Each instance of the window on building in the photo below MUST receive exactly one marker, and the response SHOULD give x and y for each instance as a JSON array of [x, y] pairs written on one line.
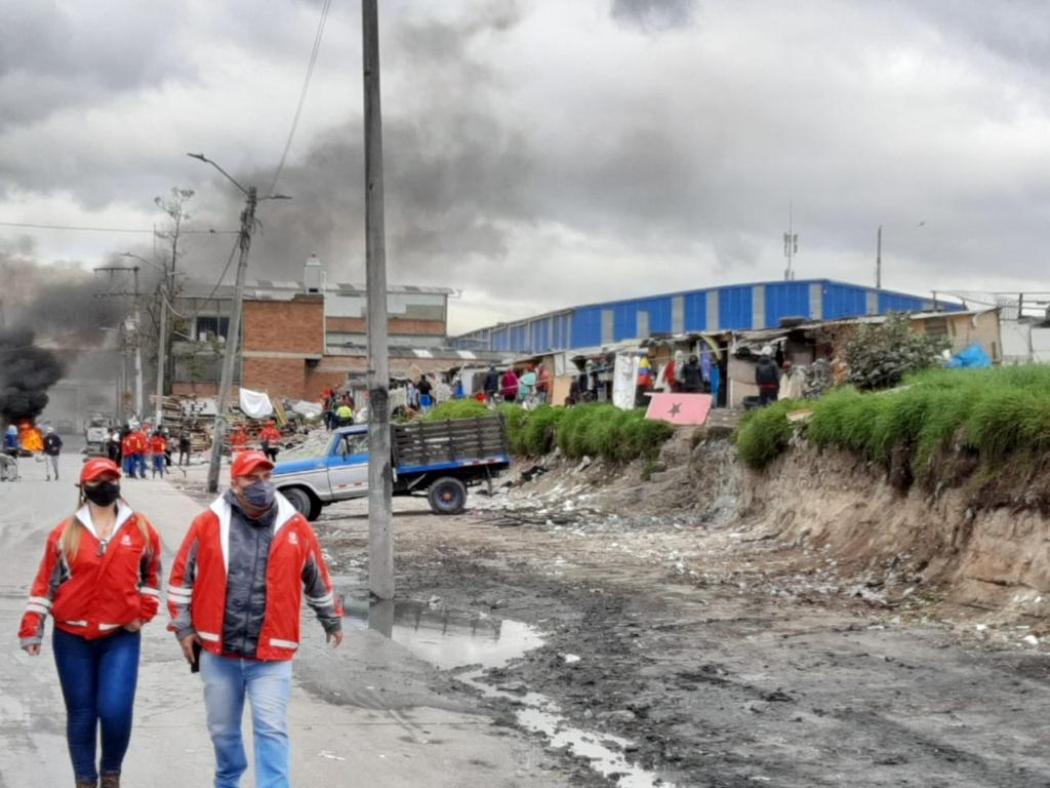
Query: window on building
[[212, 328], [937, 327]]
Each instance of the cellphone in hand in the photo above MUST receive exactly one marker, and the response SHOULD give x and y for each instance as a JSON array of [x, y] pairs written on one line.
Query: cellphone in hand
[[195, 666]]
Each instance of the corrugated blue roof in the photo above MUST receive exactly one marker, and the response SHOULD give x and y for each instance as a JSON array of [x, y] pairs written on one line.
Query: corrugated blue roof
[[721, 308]]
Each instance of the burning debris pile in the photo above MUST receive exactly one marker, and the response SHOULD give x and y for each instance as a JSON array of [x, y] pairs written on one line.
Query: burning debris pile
[[26, 374]]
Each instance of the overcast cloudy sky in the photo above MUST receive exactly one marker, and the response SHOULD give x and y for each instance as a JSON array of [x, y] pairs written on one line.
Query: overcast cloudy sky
[[542, 153]]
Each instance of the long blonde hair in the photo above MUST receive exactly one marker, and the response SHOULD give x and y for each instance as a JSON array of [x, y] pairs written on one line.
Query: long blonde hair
[[74, 531]]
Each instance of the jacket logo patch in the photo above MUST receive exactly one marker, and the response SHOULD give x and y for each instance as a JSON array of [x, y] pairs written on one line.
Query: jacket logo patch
[[293, 538], [126, 541]]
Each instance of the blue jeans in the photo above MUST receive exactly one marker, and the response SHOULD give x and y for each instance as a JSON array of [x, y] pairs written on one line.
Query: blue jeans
[[158, 464], [140, 465], [268, 687], [129, 466], [98, 680]]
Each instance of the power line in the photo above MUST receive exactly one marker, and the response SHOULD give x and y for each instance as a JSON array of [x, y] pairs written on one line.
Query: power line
[[218, 284], [36, 226], [302, 93]]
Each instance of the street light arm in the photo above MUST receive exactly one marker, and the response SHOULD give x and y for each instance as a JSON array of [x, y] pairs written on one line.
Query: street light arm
[[230, 178]]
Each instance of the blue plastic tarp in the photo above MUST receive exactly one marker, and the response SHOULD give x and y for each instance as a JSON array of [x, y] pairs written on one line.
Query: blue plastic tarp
[[974, 357]]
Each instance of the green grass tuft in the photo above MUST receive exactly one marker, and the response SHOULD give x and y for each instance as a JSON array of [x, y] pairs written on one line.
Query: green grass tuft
[[993, 412], [457, 409]]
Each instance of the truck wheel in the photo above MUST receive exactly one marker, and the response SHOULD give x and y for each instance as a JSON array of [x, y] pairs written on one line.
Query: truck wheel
[[303, 502], [447, 496]]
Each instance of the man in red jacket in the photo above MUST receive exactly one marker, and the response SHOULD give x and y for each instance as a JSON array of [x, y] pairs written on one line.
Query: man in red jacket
[[270, 440], [235, 596]]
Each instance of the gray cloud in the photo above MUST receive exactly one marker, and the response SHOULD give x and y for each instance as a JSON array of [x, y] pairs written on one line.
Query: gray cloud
[[57, 55], [654, 14], [580, 145]]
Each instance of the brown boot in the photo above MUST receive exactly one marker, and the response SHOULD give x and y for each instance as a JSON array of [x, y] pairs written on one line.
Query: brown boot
[[110, 781], [87, 783]]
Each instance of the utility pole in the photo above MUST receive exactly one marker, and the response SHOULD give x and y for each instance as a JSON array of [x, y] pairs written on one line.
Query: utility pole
[[162, 346], [380, 479], [138, 344], [234, 334], [878, 259], [136, 295], [232, 340]]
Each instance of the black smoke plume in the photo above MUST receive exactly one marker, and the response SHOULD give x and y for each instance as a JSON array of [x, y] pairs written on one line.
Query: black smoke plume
[[26, 373]]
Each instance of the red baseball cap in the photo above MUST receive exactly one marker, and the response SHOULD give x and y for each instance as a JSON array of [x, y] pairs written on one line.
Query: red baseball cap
[[98, 468], [248, 462]]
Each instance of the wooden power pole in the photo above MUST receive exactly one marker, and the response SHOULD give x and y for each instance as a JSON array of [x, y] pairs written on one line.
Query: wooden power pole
[[380, 478], [233, 336]]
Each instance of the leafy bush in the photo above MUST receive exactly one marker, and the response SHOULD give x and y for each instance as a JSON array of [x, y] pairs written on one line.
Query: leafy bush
[[880, 355]]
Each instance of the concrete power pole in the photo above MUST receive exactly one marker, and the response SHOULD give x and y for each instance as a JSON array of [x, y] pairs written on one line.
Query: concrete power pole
[[380, 479], [162, 346], [232, 340], [138, 345]]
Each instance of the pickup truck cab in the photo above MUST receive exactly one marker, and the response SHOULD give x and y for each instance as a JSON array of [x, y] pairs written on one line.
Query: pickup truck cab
[[437, 459]]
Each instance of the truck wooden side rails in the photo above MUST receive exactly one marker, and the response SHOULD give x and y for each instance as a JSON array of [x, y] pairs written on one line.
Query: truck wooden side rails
[[438, 459]]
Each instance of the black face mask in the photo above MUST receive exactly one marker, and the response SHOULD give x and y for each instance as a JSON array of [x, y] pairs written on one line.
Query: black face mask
[[103, 494]]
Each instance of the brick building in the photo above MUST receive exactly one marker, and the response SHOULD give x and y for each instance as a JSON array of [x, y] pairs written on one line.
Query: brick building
[[299, 338]]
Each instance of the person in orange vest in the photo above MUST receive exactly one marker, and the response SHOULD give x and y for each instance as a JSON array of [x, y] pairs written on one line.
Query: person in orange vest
[[238, 439], [127, 450], [235, 594], [140, 445], [270, 438], [99, 581], [159, 446]]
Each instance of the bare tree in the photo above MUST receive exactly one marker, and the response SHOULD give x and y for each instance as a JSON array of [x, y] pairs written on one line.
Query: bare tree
[[174, 205]]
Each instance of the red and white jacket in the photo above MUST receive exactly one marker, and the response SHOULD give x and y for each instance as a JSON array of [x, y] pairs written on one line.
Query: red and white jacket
[[197, 587], [105, 585]]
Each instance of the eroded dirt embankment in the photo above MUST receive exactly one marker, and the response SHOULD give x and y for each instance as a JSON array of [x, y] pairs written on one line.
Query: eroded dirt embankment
[[990, 558]]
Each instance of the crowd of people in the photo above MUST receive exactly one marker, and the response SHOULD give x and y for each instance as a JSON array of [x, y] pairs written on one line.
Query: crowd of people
[[337, 408]]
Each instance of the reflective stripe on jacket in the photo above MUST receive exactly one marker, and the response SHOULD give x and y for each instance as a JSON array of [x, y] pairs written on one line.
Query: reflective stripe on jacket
[[197, 587], [103, 588]]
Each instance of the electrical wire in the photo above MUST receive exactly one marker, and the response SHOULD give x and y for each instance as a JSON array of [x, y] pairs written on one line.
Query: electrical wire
[[36, 226], [302, 93], [218, 284]]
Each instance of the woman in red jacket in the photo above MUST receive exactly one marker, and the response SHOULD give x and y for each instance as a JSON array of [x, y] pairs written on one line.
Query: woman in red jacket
[[99, 581]]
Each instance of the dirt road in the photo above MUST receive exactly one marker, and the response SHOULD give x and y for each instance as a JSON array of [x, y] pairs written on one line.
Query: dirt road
[[706, 659]]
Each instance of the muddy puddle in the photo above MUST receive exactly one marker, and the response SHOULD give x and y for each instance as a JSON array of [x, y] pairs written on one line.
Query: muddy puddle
[[470, 643]]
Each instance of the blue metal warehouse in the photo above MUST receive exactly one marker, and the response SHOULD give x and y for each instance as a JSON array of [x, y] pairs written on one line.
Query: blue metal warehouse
[[714, 310]]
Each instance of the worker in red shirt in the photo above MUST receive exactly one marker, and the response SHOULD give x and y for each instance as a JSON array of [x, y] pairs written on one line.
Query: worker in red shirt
[[158, 445], [139, 445], [99, 580], [269, 439], [127, 451], [238, 440]]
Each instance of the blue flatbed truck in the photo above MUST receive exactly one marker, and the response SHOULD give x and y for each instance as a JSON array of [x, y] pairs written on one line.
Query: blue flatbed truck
[[438, 459]]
